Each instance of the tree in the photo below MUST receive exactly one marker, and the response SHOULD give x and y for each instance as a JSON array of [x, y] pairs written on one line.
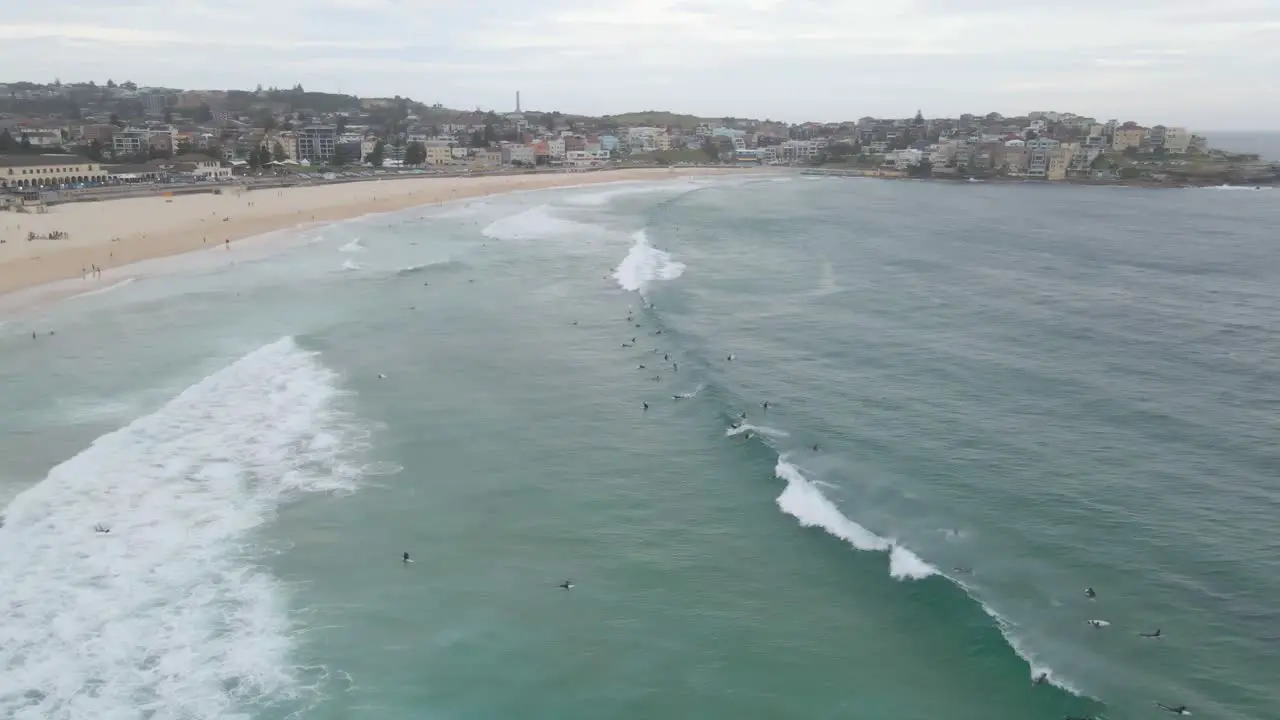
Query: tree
[[254, 160], [378, 155], [711, 148], [6, 141], [111, 83], [25, 144], [923, 169], [94, 152], [477, 139], [342, 124], [264, 155], [490, 135], [115, 120], [415, 154], [269, 123], [168, 116], [204, 113], [1130, 151], [919, 119], [278, 154], [341, 155], [129, 85]]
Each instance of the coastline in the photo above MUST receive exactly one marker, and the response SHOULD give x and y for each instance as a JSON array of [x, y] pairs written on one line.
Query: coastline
[[114, 234]]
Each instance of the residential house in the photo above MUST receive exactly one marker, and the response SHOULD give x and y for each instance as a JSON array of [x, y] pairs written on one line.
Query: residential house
[[513, 154], [1177, 140], [1123, 138]]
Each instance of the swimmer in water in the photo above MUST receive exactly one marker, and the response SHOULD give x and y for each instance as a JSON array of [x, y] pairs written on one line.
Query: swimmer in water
[[1155, 634], [1179, 710], [1089, 593], [405, 558], [816, 447], [566, 585]]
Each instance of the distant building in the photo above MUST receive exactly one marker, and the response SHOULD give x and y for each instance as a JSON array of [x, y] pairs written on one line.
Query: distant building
[[33, 171], [316, 143], [1124, 138], [513, 154]]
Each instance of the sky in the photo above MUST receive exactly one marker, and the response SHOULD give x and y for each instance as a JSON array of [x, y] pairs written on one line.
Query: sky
[[1196, 63]]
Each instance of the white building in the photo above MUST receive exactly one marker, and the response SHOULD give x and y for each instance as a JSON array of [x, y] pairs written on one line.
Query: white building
[[586, 158], [648, 139]]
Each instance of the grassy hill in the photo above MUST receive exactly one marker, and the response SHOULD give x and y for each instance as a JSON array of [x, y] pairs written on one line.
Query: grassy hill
[[657, 118]]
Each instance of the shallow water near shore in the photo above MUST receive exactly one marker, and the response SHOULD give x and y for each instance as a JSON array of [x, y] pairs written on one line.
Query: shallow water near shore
[[982, 399]]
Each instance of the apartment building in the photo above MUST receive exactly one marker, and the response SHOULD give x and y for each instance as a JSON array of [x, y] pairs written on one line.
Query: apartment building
[[316, 143]]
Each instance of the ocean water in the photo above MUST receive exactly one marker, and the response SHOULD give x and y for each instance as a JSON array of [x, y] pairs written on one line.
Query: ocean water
[[982, 399]]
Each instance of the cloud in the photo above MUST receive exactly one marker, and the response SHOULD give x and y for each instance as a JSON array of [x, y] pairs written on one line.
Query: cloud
[[1182, 62]]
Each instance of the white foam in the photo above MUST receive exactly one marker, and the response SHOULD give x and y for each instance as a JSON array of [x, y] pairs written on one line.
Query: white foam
[[803, 500], [353, 247], [604, 197], [348, 265], [1036, 667], [906, 565], [167, 616], [645, 264], [759, 429], [1249, 188], [532, 224], [114, 286]]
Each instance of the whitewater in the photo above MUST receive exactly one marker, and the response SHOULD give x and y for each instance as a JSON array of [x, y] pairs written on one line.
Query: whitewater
[[131, 587], [803, 451]]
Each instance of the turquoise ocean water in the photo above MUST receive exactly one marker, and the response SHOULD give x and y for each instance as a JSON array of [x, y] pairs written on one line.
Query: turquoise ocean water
[[1015, 392]]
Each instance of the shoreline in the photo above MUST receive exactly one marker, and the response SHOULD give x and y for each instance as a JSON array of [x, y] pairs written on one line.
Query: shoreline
[[118, 234]]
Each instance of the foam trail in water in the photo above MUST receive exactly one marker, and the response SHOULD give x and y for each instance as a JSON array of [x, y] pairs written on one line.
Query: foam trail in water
[[758, 429], [645, 264], [604, 197], [348, 265], [533, 224], [167, 616], [352, 247], [114, 286]]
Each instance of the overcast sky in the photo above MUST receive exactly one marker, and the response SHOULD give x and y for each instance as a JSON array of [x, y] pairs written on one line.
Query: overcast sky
[[1208, 64]]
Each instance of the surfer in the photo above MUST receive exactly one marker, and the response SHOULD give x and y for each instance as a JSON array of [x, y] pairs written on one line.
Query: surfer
[[963, 570], [405, 558], [675, 367], [1179, 710], [1040, 679], [1155, 634], [639, 367], [1089, 593], [666, 356], [1098, 623], [816, 447], [765, 404], [575, 322], [100, 528], [646, 406], [567, 585], [381, 376], [730, 358]]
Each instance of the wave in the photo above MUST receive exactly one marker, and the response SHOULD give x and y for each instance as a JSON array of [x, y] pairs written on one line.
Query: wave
[[758, 429], [437, 265], [1247, 188], [645, 264], [348, 265], [533, 224], [803, 500], [604, 197], [353, 247], [168, 615], [114, 286]]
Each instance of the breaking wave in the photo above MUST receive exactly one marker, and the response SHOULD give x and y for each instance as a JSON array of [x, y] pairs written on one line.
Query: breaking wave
[[645, 264]]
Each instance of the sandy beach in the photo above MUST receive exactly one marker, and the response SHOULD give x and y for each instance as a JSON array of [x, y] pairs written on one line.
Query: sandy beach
[[114, 233]]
